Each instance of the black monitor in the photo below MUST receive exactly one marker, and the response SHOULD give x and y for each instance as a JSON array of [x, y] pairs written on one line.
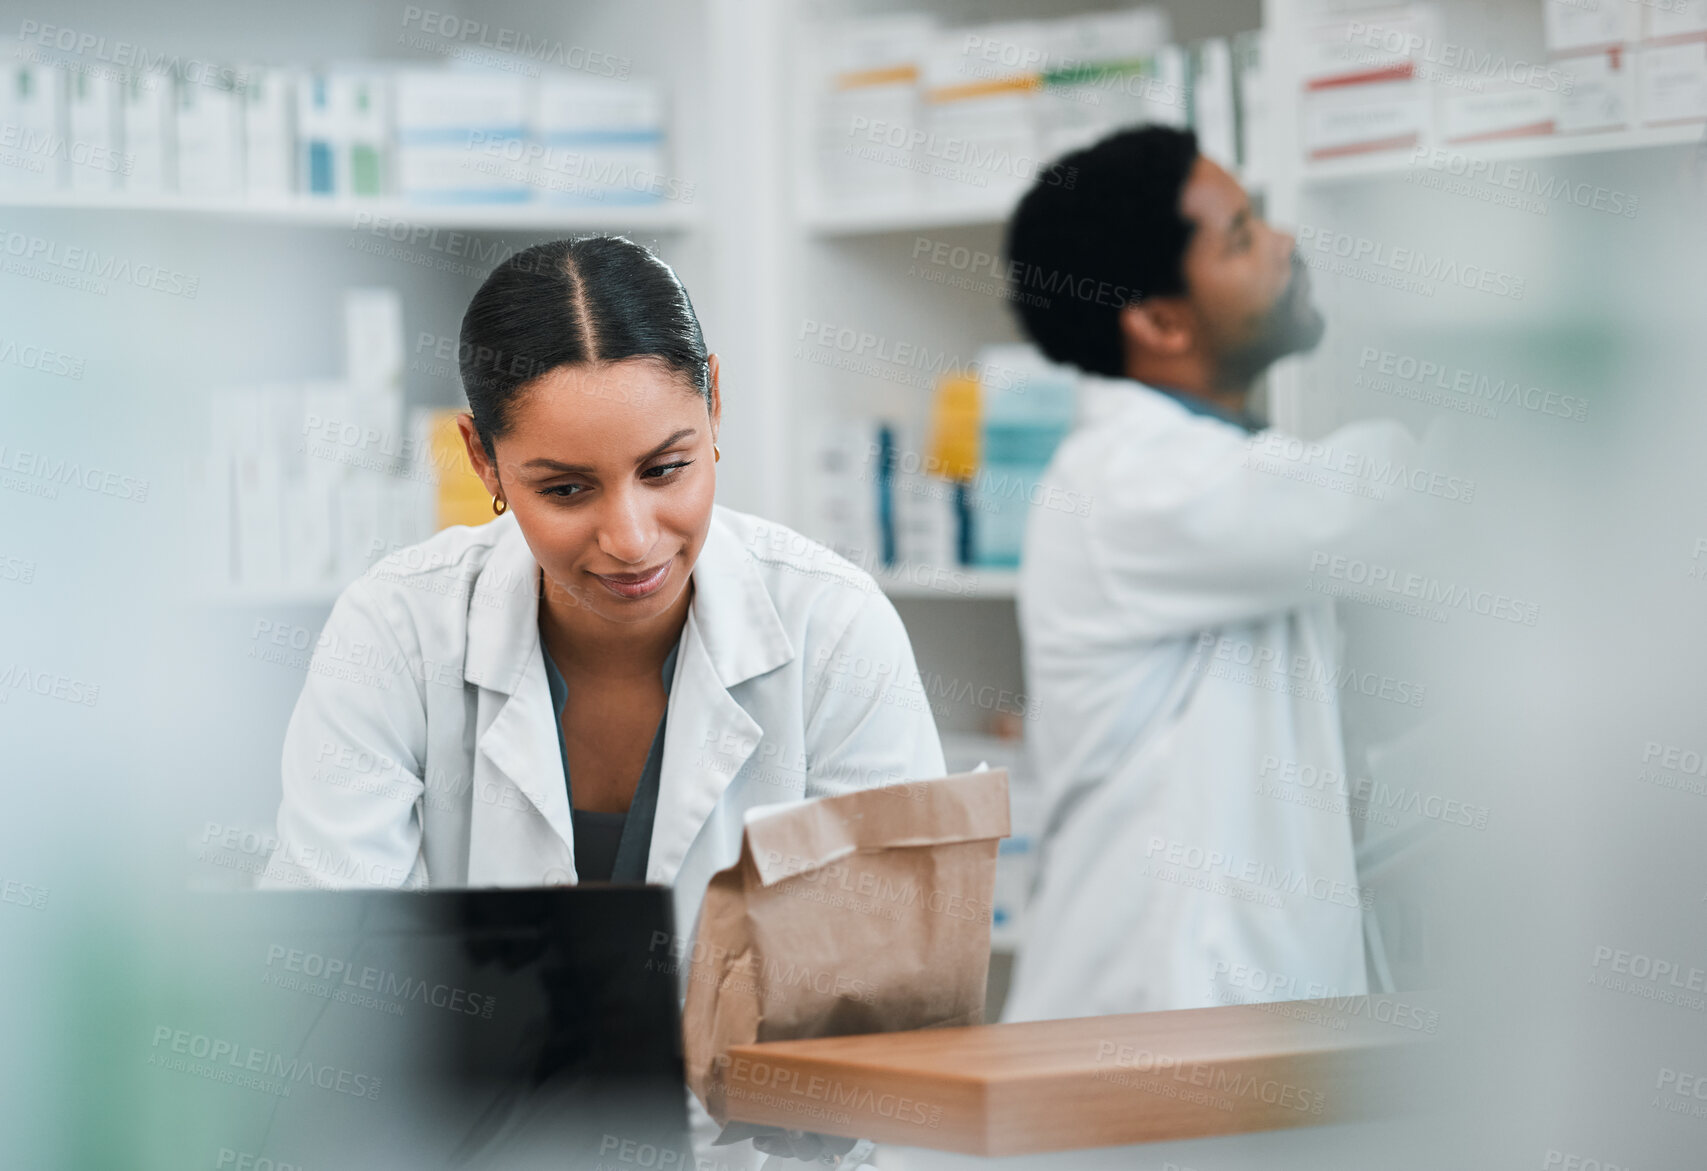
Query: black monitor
[[512, 1029]]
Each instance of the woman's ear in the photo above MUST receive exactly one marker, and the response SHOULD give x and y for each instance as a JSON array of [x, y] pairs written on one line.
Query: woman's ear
[[477, 455], [715, 406]]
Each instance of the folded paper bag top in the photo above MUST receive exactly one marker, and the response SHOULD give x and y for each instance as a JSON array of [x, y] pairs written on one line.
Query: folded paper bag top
[[868, 912]]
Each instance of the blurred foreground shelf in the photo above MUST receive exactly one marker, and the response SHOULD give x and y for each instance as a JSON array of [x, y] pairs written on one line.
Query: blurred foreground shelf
[[377, 214], [1015, 1089]]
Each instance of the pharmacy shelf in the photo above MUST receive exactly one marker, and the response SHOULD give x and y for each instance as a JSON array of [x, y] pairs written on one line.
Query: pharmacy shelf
[[831, 220], [376, 213], [1540, 146], [910, 216], [950, 584]]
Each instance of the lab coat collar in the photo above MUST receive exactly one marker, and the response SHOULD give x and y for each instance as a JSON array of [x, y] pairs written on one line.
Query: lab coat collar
[[1104, 398], [503, 612], [732, 608], [733, 633]]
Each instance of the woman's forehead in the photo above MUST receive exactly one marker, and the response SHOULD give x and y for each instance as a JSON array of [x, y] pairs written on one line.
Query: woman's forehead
[[613, 410]]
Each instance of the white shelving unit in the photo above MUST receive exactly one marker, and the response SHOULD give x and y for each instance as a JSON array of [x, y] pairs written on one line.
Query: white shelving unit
[[833, 222], [497, 217], [905, 217], [1537, 146], [849, 264]]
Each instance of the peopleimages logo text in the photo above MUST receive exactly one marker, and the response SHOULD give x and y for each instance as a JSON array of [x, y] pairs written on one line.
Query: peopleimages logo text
[[1410, 261]]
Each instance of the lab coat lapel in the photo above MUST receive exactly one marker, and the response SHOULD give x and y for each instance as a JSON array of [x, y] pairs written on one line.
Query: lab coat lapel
[[518, 748], [733, 634]]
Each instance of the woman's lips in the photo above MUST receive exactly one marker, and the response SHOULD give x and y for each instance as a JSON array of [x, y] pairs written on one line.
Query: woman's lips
[[635, 585]]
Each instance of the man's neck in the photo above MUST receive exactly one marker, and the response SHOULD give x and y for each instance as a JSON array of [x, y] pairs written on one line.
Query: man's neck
[[1192, 383]]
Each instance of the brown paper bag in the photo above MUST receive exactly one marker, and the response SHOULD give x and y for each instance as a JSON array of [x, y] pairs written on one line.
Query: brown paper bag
[[863, 913]]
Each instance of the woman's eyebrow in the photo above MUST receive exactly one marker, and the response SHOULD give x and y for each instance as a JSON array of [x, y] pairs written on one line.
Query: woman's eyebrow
[[547, 464], [684, 433]]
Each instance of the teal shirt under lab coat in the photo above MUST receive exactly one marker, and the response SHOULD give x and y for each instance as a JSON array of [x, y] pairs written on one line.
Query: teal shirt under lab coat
[[613, 847]]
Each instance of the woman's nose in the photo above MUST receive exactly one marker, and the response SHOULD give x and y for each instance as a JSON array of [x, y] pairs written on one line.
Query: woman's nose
[[626, 531]]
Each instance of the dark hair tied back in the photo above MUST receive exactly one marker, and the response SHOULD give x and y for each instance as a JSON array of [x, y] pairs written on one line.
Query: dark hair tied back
[[570, 303], [1099, 230]]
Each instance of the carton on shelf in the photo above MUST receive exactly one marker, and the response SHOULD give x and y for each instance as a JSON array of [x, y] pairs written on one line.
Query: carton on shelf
[[599, 141], [981, 86], [93, 158], [30, 117], [269, 141], [1251, 108], [1105, 71], [1213, 101], [1575, 27], [869, 108], [462, 137], [1676, 20], [1671, 83], [1364, 89], [1499, 110], [209, 135], [342, 121], [147, 114], [1602, 95], [1374, 116]]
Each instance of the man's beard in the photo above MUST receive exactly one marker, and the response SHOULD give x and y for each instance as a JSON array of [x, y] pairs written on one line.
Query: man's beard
[[1292, 326]]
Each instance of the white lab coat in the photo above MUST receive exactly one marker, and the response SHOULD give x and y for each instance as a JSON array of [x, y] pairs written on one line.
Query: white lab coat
[[423, 750], [1173, 645]]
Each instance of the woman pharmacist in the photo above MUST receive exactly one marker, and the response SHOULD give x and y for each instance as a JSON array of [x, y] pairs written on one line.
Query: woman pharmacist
[[598, 684]]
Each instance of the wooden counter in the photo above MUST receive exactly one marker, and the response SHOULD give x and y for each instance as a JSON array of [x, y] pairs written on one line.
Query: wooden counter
[[1093, 1081]]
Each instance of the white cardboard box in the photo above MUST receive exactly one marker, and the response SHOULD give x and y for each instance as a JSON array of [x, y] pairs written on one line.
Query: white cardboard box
[[1212, 101], [1499, 110], [30, 115], [147, 111], [1671, 83], [93, 159], [981, 110], [1381, 44], [342, 134], [1603, 92], [461, 136], [601, 140], [1668, 19], [1252, 106], [373, 339], [1355, 119], [269, 141], [210, 140], [1588, 26], [867, 106]]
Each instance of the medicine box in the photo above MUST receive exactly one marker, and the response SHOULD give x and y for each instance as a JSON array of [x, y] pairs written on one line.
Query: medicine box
[[1589, 26], [462, 137], [93, 159], [30, 119], [1602, 94], [1671, 83]]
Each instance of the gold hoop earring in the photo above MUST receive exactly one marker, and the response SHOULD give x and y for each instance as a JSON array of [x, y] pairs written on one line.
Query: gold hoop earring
[[716, 453], [499, 506]]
